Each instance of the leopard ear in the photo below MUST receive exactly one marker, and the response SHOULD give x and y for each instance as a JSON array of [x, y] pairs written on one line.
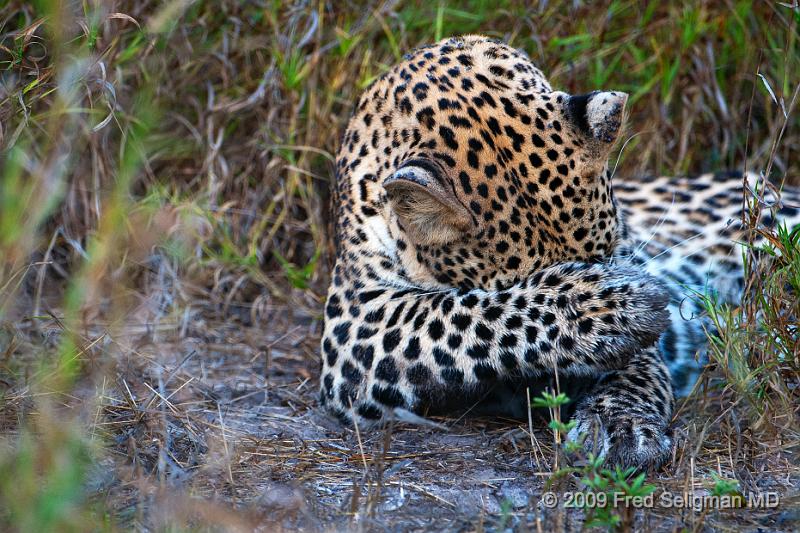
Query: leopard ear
[[427, 209], [597, 116]]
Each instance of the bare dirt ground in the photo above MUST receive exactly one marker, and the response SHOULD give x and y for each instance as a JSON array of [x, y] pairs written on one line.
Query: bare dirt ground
[[217, 423]]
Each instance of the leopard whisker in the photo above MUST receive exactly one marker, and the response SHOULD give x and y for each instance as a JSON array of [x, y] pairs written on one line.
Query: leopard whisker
[[696, 235], [657, 226]]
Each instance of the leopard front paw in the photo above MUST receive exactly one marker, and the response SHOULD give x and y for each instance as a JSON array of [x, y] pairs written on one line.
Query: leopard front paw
[[635, 304], [617, 311], [642, 442]]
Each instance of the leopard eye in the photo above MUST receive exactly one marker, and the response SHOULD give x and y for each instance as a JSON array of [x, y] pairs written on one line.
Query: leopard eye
[[420, 169]]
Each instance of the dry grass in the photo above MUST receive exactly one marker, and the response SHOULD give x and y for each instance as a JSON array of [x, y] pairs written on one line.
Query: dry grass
[[165, 243]]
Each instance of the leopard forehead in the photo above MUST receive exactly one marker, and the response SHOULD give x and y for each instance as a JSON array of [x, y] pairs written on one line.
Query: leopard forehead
[[520, 171]]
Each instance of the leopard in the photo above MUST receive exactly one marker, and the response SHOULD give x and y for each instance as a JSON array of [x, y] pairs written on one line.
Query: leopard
[[481, 250]]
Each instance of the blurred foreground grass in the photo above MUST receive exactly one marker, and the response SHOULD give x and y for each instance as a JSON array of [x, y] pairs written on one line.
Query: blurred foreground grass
[[167, 164]]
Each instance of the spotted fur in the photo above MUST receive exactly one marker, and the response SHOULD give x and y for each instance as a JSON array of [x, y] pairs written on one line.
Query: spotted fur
[[481, 247]]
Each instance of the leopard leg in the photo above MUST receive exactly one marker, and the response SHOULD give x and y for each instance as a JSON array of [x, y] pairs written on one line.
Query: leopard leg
[[625, 417], [387, 349]]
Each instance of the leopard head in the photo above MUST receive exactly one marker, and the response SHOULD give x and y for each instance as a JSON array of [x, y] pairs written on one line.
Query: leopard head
[[485, 173]]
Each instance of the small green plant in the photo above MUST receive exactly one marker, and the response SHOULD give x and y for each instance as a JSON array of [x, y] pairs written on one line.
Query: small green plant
[[611, 494], [299, 277], [724, 487], [294, 67], [622, 493], [505, 513], [553, 403], [347, 40]]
